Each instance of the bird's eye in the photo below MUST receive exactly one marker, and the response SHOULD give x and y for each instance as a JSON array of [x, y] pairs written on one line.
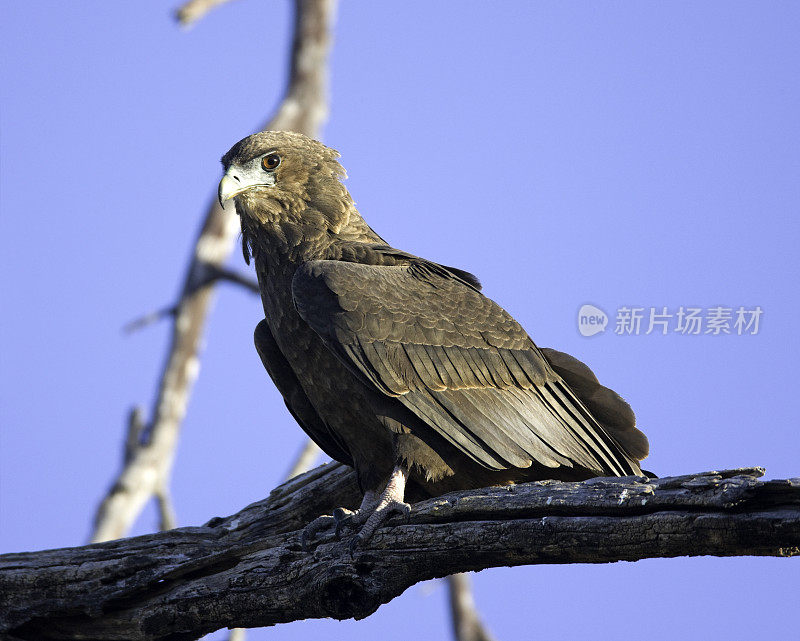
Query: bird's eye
[[270, 162]]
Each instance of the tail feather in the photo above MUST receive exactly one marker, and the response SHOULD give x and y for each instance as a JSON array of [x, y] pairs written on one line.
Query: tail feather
[[608, 407]]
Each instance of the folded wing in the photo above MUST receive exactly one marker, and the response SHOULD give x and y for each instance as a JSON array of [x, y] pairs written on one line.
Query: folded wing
[[295, 398], [428, 338]]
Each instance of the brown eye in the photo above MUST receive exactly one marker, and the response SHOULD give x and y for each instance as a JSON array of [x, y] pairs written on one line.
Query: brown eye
[[270, 161]]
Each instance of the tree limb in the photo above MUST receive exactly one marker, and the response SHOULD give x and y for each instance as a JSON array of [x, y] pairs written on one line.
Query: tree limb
[[148, 465], [250, 570], [467, 625], [213, 275], [166, 510], [304, 460], [193, 10]]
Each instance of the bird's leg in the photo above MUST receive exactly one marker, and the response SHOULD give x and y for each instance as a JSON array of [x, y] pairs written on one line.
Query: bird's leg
[[389, 502], [344, 517], [374, 510], [310, 531], [341, 517]]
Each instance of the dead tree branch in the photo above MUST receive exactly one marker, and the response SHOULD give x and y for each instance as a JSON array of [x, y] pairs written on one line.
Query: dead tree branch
[[305, 459], [149, 463], [303, 462], [193, 10], [213, 275], [250, 570], [467, 625]]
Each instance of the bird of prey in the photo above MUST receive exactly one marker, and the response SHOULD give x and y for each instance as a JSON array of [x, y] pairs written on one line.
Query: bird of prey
[[399, 366]]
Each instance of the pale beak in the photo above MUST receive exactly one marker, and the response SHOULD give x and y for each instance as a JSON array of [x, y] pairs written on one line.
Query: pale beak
[[229, 186], [240, 179]]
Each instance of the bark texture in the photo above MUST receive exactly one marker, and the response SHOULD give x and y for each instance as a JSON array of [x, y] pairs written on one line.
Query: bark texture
[[249, 569]]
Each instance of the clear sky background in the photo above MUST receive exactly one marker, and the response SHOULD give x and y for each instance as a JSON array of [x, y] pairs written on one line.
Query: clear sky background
[[620, 154]]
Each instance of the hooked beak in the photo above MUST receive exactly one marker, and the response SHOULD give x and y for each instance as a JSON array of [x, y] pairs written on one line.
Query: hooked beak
[[237, 180], [229, 186]]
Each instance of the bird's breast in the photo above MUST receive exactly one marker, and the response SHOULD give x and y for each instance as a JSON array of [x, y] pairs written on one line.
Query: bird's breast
[[340, 399]]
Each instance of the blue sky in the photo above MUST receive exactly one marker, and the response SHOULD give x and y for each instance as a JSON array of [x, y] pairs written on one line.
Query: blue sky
[[619, 154]]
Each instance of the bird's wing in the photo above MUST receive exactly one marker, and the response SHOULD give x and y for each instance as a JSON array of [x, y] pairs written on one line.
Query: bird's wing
[[295, 398], [608, 407], [457, 360]]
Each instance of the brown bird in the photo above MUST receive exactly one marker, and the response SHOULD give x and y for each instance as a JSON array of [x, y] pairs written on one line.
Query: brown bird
[[399, 366]]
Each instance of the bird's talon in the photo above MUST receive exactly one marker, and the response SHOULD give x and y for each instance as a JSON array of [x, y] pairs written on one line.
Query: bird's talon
[[342, 517], [309, 534], [399, 507], [355, 543]]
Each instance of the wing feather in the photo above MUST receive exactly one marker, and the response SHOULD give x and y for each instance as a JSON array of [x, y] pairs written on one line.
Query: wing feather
[[423, 366], [608, 407], [458, 361], [295, 398]]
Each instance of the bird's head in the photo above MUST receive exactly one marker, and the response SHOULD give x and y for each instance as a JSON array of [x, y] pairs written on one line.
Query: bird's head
[[288, 193], [272, 172]]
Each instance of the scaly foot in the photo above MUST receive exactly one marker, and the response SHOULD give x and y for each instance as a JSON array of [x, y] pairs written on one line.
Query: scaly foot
[[349, 518], [372, 512], [390, 502], [341, 517], [313, 529], [381, 513]]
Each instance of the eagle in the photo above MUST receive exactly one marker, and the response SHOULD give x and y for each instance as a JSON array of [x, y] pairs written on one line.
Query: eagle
[[398, 366]]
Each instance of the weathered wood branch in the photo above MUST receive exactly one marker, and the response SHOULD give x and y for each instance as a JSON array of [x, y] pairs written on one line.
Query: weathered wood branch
[[249, 569], [148, 461], [467, 624], [213, 275], [193, 10]]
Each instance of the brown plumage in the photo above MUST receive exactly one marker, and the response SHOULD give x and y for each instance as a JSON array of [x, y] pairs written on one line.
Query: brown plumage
[[399, 366]]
